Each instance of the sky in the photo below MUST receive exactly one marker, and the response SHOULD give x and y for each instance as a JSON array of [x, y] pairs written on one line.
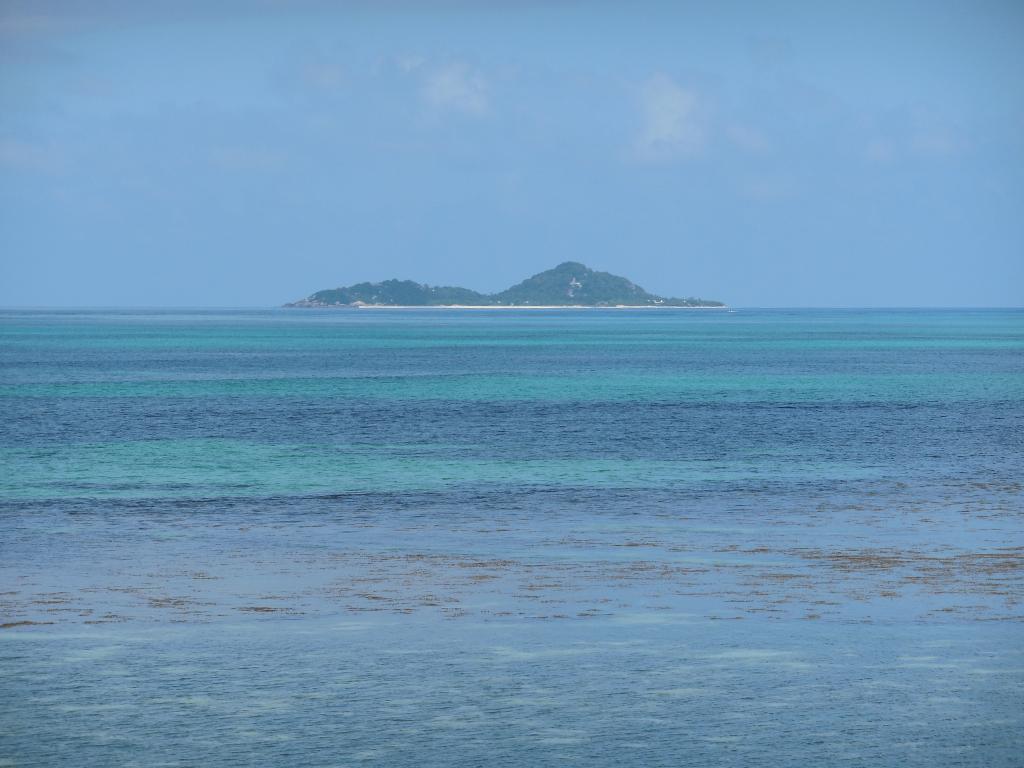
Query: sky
[[764, 154]]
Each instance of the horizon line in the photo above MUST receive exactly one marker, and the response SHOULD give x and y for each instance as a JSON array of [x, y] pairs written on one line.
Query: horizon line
[[265, 308]]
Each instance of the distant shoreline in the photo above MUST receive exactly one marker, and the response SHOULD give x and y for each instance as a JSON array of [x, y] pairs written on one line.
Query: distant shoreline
[[499, 306]]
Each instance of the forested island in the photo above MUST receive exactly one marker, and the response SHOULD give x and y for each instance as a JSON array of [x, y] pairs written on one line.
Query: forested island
[[570, 284]]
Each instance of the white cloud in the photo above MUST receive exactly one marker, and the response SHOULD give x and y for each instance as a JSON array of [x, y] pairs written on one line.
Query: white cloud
[[748, 139], [409, 64], [673, 120], [311, 75], [880, 150], [455, 87], [918, 132], [27, 156], [31, 24], [237, 158], [929, 143], [934, 142], [323, 75], [767, 188]]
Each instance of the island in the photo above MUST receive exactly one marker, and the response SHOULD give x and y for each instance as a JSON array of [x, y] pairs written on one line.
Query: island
[[570, 284]]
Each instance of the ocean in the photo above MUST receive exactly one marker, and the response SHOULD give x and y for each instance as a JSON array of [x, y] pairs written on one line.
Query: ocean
[[501, 537]]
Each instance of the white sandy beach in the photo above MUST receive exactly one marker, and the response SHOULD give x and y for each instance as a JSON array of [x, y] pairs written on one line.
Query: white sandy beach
[[502, 306]]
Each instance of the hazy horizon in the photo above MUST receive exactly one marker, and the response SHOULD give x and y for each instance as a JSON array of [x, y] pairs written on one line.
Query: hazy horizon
[[846, 156]]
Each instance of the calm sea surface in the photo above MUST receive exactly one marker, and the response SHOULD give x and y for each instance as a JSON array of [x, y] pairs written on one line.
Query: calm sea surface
[[538, 538]]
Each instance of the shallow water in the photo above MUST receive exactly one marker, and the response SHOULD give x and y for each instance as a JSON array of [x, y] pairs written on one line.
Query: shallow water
[[442, 537]]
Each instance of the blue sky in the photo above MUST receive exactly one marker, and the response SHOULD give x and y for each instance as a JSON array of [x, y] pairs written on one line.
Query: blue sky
[[766, 154]]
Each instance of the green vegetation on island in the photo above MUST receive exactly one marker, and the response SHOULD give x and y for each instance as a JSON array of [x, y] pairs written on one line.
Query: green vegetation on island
[[570, 284]]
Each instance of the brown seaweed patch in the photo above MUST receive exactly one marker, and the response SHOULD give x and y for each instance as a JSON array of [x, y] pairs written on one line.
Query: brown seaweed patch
[[52, 601], [180, 603], [783, 576], [264, 609], [485, 563], [107, 618], [863, 560]]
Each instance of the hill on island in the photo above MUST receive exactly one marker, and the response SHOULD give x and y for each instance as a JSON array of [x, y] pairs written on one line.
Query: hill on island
[[570, 284]]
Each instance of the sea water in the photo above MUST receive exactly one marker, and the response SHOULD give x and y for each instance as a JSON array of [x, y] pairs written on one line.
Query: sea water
[[442, 537]]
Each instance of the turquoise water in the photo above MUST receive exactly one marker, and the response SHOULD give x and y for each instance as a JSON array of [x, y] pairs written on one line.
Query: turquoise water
[[520, 538]]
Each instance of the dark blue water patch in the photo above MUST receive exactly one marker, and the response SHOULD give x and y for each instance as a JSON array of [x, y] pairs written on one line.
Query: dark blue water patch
[[618, 352], [977, 492], [854, 431]]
